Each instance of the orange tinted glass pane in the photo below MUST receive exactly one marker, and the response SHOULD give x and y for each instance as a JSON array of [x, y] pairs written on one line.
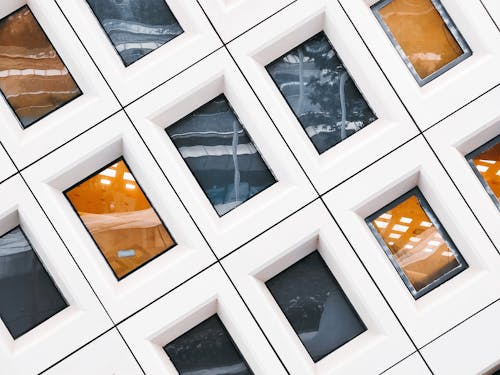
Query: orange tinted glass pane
[[488, 165], [420, 31], [418, 248], [120, 218], [33, 78]]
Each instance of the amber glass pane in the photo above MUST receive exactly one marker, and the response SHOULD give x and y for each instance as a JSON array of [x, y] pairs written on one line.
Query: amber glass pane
[[487, 163], [420, 31], [419, 248], [33, 78], [120, 218]]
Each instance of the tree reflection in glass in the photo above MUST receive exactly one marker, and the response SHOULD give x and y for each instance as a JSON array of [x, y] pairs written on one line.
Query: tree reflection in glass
[[320, 92], [315, 305]]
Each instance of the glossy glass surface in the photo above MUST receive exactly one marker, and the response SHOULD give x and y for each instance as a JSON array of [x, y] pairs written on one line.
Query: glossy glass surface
[[207, 349], [320, 92], [424, 35], [33, 78], [120, 219], [28, 296], [416, 243], [136, 27], [486, 164], [221, 155], [315, 305]]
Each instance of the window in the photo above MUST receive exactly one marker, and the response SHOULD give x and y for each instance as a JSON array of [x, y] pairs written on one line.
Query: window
[[485, 163], [416, 243], [28, 294], [315, 305], [424, 35], [207, 349], [221, 155], [33, 78], [136, 27], [320, 92], [120, 218]]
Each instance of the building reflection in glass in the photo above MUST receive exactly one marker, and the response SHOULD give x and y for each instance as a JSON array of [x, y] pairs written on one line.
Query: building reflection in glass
[[120, 218], [28, 294], [315, 306], [207, 349], [424, 35], [221, 155], [416, 243]]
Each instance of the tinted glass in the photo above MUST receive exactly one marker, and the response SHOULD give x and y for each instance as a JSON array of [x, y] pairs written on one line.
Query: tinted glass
[[315, 305], [320, 92], [424, 35], [120, 218], [416, 243], [221, 155], [33, 77], [207, 349], [27, 293], [136, 27], [486, 164]]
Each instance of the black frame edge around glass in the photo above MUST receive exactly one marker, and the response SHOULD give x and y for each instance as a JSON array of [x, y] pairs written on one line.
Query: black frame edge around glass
[[49, 276], [463, 265], [113, 44], [452, 28], [58, 55], [228, 335], [350, 76], [346, 298], [121, 158], [472, 155], [249, 137]]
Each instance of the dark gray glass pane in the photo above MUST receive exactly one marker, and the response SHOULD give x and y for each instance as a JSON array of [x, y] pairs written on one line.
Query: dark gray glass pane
[[136, 27], [320, 92], [28, 296], [315, 305], [221, 155], [207, 349]]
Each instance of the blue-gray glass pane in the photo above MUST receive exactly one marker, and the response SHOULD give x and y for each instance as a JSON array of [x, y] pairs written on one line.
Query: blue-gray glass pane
[[221, 155], [136, 27], [207, 349], [320, 92], [315, 305], [28, 296]]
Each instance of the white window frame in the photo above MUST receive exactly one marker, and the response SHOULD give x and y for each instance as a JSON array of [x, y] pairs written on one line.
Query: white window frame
[[96, 103], [460, 134], [453, 89], [383, 344], [198, 299], [75, 162], [414, 165], [83, 319], [185, 93], [197, 41], [290, 28]]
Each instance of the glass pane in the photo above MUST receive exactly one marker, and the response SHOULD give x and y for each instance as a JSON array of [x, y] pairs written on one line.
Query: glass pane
[[424, 35], [416, 243], [315, 305], [33, 78], [120, 218], [27, 293], [486, 164], [207, 349], [320, 92], [136, 27], [221, 155]]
